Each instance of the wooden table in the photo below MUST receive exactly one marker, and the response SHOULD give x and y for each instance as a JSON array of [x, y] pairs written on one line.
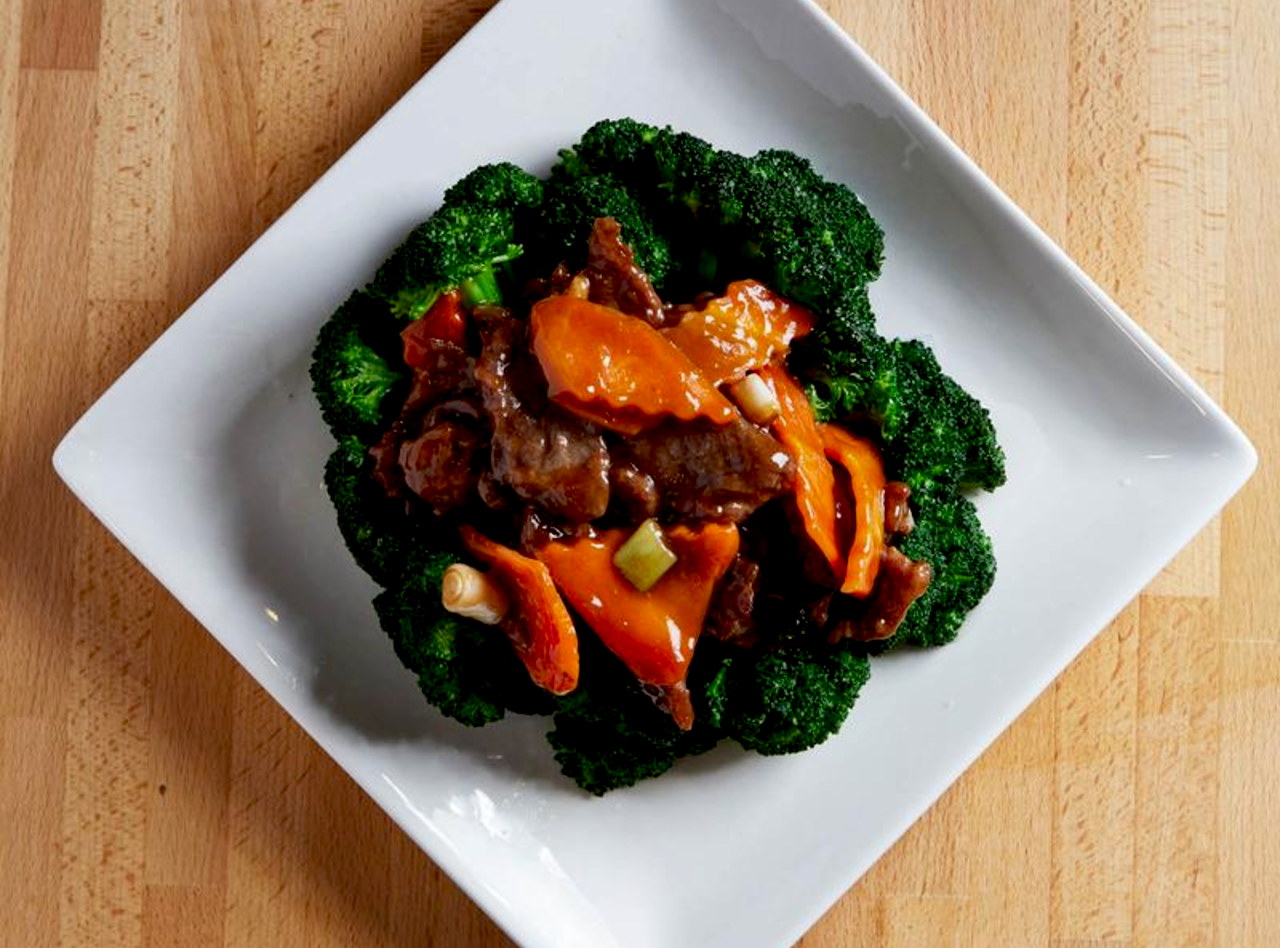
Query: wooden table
[[150, 793]]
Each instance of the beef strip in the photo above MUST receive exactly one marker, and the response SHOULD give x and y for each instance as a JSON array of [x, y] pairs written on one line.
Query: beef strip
[[898, 520], [713, 472], [448, 372], [615, 278], [386, 465], [439, 465], [730, 617], [901, 582], [541, 287], [544, 454], [634, 491]]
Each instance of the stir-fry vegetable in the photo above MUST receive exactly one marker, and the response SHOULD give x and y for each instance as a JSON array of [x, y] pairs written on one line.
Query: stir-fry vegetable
[[860, 458], [539, 626], [645, 557], [740, 331], [815, 490], [465, 591], [653, 632], [617, 370]]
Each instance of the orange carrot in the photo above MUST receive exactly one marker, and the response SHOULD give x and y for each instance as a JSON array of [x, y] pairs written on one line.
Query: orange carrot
[[539, 626], [654, 632], [618, 370], [815, 489], [740, 331], [861, 459]]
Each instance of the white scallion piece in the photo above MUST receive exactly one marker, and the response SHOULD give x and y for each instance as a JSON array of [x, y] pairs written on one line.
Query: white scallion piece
[[756, 399], [645, 557], [579, 286], [468, 592]]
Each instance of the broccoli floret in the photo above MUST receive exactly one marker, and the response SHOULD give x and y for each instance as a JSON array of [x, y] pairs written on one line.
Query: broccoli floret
[[949, 536], [573, 204], [727, 217], [497, 185], [785, 699], [937, 436], [944, 434], [609, 733], [351, 379], [468, 670], [466, 244], [373, 527]]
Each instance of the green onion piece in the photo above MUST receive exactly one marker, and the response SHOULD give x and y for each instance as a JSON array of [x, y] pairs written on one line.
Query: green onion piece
[[645, 557]]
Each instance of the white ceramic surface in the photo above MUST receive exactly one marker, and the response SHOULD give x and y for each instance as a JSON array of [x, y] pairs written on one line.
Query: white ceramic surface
[[205, 459]]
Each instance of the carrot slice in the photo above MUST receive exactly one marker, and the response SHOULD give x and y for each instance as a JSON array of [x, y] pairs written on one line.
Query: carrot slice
[[815, 488], [539, 626], [618, 370], [740, 331], [654, 632], [861, 459]]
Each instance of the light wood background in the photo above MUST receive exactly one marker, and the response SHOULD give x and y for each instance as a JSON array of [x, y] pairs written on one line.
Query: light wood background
[[151, 794]]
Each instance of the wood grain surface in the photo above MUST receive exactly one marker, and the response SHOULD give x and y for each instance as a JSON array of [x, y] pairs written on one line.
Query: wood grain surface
[[151, 794]]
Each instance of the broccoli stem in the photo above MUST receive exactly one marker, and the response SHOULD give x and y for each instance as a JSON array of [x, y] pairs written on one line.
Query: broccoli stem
[[482, 289]]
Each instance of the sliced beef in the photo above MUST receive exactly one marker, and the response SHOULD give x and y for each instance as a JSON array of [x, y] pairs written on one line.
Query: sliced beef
[[713, 472], [537, 529], [901, 582], [898, 520], [541, 452], [541, 287], [633, 491], [447, 372], [386, 465], [440, 465], [615, 278], [730, 617]]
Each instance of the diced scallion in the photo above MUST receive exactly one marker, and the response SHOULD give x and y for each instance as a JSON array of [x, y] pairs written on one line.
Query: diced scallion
[[756, 399], [466, 591], [645, 557]]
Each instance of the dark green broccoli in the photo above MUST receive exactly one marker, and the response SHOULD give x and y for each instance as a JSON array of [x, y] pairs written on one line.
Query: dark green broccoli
[[770, 216], [467, 670], [464, 245], [949, 536], [351, 378], [937, 436], [573, 204], [609, 734], [373, 527], [787, 698]]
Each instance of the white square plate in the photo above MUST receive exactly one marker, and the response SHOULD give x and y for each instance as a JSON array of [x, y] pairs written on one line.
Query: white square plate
[[205, 459]]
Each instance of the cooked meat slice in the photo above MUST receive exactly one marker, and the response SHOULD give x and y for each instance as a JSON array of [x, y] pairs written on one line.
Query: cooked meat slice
[[541, 452], [615, 279], [491, 493], [901, 582], [448, 372], [730, 617], [386, 466], [634, 490], [713, 472], [898, 520], [440, 464], [541, 287]]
